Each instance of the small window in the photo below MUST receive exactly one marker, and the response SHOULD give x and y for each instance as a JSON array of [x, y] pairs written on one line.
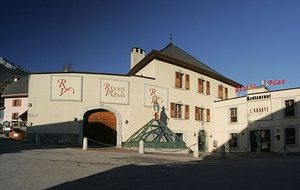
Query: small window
[[289, 108], [16, 103], [179, 135], [176, 110], [199, 114], [290, 136], [233, 115], [233, 142], [14, 115], [179, 80]]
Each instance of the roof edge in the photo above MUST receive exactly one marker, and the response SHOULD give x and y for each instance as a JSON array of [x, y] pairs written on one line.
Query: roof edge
[[14, 95], [159, 56]]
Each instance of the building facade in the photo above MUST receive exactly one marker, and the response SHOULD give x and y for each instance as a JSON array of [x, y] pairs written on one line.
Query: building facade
[[169, 84], [262, 120], [15, 97]]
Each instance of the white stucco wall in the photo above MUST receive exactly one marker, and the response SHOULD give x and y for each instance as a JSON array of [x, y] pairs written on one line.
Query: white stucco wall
[[10, 109], [272, 118], [48, 109], [164, 75]]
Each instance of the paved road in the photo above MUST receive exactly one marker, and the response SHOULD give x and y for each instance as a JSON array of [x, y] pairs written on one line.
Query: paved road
[[25, 166]]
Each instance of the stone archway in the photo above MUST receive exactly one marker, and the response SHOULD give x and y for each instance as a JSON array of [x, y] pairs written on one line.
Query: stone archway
[[100, 126]]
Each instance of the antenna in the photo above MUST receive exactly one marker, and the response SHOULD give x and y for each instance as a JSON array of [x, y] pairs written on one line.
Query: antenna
[[67, 67], [170, 37]]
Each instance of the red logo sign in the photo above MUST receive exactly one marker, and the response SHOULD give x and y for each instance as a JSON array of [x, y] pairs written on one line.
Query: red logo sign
[[264, 82], [114, 91], [63, 88]]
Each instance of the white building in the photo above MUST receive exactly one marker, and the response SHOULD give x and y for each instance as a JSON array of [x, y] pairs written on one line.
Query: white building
[[109, 108], [15, 97], [262, 120]]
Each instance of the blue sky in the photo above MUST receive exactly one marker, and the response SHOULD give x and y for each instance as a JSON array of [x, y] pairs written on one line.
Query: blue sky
[[246, 40]]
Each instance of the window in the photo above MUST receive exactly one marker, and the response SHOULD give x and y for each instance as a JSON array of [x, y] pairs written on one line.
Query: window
[[177, 111], [187, 82], [290, 136], [233, 142], [289, 108], [16, 103], [179, 82], [226, 93], [187, 112], [199, 114], [207, 115], [14, 115], [207, 87], [220, 91], [233, 115], [200, 86], [179, 135]]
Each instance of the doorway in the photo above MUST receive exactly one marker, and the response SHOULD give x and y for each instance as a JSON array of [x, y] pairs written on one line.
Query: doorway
[[201, 141], [99, 127], [260, 140]]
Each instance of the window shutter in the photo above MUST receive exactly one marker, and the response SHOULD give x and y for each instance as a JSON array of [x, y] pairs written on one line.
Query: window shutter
[[200, 86], [14, 115], [197, 116], [226, 93], [207, 87], [172, 110], [187, 82], [187, 112], [220, 91], [177, 79], [207, 115]]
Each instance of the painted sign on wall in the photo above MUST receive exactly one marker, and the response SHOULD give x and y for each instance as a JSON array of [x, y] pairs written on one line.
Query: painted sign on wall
[[263, 82], [66, 88], [155, 94], [259, 110], [114, 91]]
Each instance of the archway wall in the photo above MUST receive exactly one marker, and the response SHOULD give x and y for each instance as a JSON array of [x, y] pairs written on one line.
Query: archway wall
[[60, 100]]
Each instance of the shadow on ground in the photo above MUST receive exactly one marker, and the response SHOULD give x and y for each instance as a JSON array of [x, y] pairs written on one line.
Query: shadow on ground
[[14, 146], [214, 174]]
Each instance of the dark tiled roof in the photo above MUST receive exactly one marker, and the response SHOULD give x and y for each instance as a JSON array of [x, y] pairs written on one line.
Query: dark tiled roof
[[181, 55], [174, 55], [18, 88]]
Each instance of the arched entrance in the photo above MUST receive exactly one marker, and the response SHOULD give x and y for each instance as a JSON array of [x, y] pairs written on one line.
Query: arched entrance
[[201, 141], [99, 126]]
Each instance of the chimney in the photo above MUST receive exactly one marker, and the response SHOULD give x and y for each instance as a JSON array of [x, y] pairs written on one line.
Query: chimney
[[137, 54]]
